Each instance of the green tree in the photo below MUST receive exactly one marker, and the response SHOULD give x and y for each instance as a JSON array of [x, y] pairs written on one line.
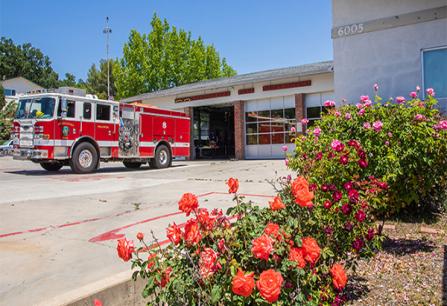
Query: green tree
[[7, 111], [70, 80], [26, 61], [96, 82], [164, 58]]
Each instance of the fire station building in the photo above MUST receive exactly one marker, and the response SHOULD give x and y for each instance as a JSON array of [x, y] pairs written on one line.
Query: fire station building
[[248, 116]]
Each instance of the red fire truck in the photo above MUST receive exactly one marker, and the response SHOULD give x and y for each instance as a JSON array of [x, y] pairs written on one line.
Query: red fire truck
[[56, 130]]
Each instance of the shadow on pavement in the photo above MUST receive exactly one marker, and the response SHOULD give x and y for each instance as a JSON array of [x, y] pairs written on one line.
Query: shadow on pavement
[[403, 247], [357, 288], [67, 171]]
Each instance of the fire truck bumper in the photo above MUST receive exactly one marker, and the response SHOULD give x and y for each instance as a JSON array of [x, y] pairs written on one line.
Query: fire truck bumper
[[29, 154]]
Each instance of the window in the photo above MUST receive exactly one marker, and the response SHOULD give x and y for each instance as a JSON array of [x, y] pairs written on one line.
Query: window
[[269, 126], [102, 112], [71, 108], [314, 106], [87, 113], [9, 92], [435, 70]]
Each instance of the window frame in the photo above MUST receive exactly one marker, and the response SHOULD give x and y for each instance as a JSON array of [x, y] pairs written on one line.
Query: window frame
[[423, 70], [110, 112], [84, 103]]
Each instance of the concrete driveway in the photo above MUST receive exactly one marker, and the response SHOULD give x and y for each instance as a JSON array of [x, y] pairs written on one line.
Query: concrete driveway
[[58, 231]]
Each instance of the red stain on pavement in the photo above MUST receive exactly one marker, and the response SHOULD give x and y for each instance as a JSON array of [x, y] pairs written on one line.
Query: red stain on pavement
[[113, 234]]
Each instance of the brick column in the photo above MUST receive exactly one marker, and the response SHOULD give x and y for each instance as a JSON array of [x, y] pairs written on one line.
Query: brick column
[[239, 143], [300, 111], [189, 111]]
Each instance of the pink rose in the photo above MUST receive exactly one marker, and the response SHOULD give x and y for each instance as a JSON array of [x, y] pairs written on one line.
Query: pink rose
[[329, 103], [293, 129], [286, 161], [348, 116], [304, 121], [359, 105], [377, 126], [418, 88], [430, 92], [419, 117], [413, 94], [285, 148], [317, 132], [337, 145], [367, 103], [367, 125], [361, 112], [364, 98], [337, 114], [400, 100], [442, 125]]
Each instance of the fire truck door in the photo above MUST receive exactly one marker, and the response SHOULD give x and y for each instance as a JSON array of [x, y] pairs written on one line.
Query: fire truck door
[[106, 128]]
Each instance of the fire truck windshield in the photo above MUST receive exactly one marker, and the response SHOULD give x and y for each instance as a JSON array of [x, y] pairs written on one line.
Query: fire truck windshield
[[41, 108]]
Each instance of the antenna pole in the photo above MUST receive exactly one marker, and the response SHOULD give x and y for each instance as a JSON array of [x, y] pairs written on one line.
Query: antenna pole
[[107, 30]]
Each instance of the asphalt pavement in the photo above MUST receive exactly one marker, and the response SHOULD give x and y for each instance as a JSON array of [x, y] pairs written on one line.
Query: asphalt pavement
[[58, 231]]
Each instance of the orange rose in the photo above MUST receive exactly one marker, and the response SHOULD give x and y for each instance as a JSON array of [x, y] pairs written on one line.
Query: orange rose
[[311, 250], [188, 203], [233, 185], [207, 262], [276, 204], [297, 255], [192, 233], [262, 247], [174, 234], [151, 261], [339, 278], [243, 284], [125, 249], [269, 285], [300, 190]]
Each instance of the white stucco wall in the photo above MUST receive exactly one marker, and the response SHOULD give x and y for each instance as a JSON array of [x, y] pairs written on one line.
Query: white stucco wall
[[390, 57]]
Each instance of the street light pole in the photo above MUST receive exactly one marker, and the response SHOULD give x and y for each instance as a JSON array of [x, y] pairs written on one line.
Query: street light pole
[[107, 30]]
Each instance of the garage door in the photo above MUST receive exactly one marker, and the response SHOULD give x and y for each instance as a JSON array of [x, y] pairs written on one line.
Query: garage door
[[267, 126]]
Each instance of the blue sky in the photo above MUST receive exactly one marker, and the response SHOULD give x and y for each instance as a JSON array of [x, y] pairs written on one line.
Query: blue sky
[[253, 35]]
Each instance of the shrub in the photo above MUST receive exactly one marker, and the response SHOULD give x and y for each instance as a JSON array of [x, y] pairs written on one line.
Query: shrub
[[405, 142], [293, 252]]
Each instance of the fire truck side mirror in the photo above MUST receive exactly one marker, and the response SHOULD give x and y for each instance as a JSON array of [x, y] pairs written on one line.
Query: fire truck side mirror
[[64, 108]]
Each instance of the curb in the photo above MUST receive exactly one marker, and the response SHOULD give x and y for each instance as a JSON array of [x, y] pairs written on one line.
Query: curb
[[118, 289]]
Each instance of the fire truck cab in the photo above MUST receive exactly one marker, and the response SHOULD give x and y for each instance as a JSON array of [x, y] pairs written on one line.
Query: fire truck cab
[[56, 130]]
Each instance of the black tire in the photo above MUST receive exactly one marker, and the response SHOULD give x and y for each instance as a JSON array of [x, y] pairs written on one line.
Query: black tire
[[51, 166], [84, 158], [132, 165], [162, 158]]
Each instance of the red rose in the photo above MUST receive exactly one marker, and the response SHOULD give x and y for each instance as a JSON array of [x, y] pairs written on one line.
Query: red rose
[[165, 277], [206, 221], [262, 247], [207, 263], [140, 236], [269, 285], [311, 250], [300, 190], [276, 204], [233, 185], [174, 234], [339, 278], [272, 229], [151, 261], [97, 302], [221, 245], [188, 203], [297, 255], [243, 284], [192, 233], [125, 249]]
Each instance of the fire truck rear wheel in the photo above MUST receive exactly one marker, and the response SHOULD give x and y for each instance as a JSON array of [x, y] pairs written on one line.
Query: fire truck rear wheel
[[162, 158], [51, 166], [132, 165], [84, 158]]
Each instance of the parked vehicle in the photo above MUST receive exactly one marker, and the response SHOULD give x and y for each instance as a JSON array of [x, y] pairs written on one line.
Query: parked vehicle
[[6, 148], [55, 130]]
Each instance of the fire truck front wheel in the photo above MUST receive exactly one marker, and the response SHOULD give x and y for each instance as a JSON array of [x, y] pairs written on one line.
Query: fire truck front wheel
[[84, 158], [51, 166], [162, 158]]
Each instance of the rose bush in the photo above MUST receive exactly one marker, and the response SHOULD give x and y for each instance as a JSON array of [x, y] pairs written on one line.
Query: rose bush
[[404, 142], [293, 252]]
